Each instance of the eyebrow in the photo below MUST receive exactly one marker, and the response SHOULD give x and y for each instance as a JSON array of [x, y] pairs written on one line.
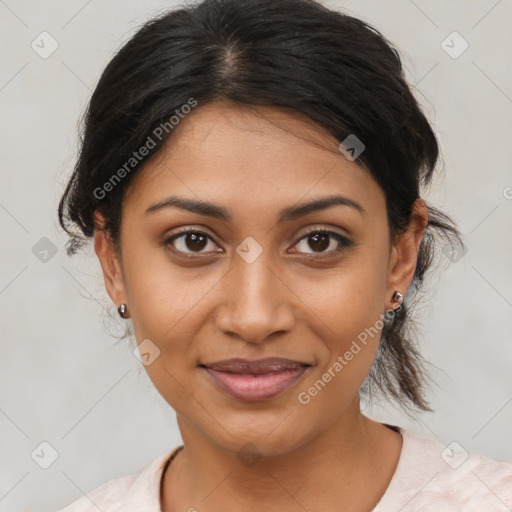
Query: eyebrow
[[287, 214]]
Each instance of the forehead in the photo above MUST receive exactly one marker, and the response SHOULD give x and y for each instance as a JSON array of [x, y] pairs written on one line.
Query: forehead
[[251, 156]]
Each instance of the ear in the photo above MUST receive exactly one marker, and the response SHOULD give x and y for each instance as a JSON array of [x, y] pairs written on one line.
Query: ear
[[109, 260], [404, 254]]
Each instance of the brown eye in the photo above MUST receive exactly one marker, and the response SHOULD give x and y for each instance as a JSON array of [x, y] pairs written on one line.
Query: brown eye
[[321, 241], [190, 241]]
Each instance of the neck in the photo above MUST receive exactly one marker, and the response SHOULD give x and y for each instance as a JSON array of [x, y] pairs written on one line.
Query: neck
[[349, 463]]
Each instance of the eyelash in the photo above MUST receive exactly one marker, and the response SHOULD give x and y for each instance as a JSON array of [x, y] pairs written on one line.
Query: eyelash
[[345, 243]]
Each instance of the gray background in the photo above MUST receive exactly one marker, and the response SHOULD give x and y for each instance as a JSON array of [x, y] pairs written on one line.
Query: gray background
[[63, 378]]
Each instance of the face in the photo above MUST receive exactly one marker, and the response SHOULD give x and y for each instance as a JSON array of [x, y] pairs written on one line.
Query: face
[[257, 275]]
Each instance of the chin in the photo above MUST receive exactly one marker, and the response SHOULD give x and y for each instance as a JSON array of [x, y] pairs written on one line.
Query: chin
[[263, 435]]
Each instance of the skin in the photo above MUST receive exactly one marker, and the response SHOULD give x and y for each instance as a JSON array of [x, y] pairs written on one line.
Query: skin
[[307, 305]]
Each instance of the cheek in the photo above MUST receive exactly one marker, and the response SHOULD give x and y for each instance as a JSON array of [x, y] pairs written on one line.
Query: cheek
[[348, 306], [161, 295], [348, 299], [350, 328], [169, 306]]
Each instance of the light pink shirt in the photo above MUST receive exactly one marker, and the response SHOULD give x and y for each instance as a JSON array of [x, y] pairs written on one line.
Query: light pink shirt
[[430, 477]]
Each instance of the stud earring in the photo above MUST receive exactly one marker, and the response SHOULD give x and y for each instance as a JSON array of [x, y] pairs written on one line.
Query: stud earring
[[398, 299], [122, 310]]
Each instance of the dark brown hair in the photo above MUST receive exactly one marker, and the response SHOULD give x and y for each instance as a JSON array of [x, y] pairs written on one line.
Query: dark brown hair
[[340, 72]]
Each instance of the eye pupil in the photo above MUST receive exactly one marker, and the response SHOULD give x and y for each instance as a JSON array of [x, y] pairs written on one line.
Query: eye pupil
[[322, 241], [198, 241]]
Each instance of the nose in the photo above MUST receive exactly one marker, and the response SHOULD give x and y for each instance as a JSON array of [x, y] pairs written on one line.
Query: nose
[[256, 302]]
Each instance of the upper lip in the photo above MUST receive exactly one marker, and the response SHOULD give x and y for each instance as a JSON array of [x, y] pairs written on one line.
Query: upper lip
[[257, 367]]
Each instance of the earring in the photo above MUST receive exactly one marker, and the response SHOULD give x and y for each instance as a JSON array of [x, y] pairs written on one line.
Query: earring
[[398, 298], [122, 311]]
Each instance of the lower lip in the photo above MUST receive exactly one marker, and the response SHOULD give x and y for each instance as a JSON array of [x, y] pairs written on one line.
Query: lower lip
[[256, 387]]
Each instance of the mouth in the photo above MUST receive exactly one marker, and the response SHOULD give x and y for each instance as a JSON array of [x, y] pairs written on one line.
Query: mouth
[[255, 380]]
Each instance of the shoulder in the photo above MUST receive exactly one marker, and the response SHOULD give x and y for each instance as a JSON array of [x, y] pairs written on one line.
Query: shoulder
[[126, 493], [433, 476], [104, 497]]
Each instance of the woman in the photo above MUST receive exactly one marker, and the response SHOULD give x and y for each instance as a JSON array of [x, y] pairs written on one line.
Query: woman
[[250, 172]]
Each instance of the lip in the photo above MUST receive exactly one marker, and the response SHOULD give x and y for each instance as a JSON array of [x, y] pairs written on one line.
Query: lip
[[257, 379]]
